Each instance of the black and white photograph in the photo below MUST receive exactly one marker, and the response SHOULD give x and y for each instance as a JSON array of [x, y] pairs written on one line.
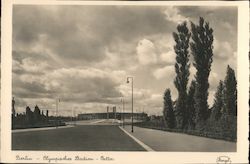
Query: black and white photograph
[[133, 78]]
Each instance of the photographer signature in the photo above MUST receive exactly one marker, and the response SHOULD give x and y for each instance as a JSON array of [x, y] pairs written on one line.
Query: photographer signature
[[223, 160]]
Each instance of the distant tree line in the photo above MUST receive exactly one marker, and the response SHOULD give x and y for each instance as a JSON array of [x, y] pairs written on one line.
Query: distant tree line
[[29, 118], [190, 111], [36, 118]]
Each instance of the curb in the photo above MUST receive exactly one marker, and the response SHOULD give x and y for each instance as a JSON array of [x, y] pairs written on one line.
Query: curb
[[146, 147]]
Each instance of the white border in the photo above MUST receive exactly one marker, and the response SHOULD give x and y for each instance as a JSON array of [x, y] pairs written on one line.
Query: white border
[[241, 156]]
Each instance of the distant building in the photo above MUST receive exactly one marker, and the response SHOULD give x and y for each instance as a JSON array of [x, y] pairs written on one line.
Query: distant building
[[112, 115]]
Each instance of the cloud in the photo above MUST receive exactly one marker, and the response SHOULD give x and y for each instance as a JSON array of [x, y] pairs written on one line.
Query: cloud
[[225, 24], [224, 54], [211, 98], [164, 72], [83, 54], [168, 57], [30, 65], [155, 100], [172, 14], [146, 52], [81, 58], [192, 71], [222, 50], [214, 80], [233, 62], [70, 33], [75, 85]]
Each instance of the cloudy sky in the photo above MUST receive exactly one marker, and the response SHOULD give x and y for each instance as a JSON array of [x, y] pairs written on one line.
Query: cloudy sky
[[83, 54]]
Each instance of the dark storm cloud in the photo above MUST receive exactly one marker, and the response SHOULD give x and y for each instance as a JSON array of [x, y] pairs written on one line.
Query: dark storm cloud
[[72, 85], [82, 33], [83, 54], [59, 30], [222, 19], [31, 63], [25, 87]]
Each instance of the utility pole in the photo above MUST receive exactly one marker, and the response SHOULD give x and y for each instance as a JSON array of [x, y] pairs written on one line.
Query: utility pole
[[57, 105], [132, 86], [123, 113], [56, 112], [74, 116], [107, 112]]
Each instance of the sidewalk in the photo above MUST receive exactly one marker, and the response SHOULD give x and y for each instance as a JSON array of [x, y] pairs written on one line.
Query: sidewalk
[[39, 129], [168, 141], [95, 122]]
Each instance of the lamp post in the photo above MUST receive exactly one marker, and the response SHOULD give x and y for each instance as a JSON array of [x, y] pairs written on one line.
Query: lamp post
[[123, 112], [132, 103]]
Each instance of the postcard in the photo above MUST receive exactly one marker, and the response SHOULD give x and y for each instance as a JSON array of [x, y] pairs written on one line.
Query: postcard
[[124, 82]]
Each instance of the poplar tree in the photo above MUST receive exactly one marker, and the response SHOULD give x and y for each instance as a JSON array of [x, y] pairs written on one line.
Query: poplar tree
[[168, 112], [190, 105], [230, 92], [202, 51], [218, 102], [182, 65]]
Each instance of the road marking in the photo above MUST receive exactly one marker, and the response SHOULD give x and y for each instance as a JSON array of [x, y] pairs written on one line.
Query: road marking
[[39, 129], [137, 140]]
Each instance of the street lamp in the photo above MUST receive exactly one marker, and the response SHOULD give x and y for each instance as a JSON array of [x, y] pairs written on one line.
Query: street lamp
[[132, 103]]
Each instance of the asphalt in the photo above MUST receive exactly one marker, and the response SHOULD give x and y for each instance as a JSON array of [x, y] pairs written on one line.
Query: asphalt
[[159, 140], [78, 138], [105, 135]]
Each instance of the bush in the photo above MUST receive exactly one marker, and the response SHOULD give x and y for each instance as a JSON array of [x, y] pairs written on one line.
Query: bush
[[224, 129]]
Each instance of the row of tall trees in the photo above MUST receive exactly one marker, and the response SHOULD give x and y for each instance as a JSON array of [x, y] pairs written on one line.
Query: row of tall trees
[[225, 102], [191, 108]]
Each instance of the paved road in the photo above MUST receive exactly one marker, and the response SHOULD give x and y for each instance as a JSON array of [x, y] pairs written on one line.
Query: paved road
[[167, 141], [78, 138], [105, 135]]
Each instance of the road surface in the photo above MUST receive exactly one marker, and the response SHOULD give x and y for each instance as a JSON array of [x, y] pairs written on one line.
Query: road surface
[[160, 140], [106, 135], [78, 138]]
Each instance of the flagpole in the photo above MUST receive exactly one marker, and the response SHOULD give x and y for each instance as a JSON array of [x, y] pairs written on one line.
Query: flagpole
[[57, 103], [56, 112]]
